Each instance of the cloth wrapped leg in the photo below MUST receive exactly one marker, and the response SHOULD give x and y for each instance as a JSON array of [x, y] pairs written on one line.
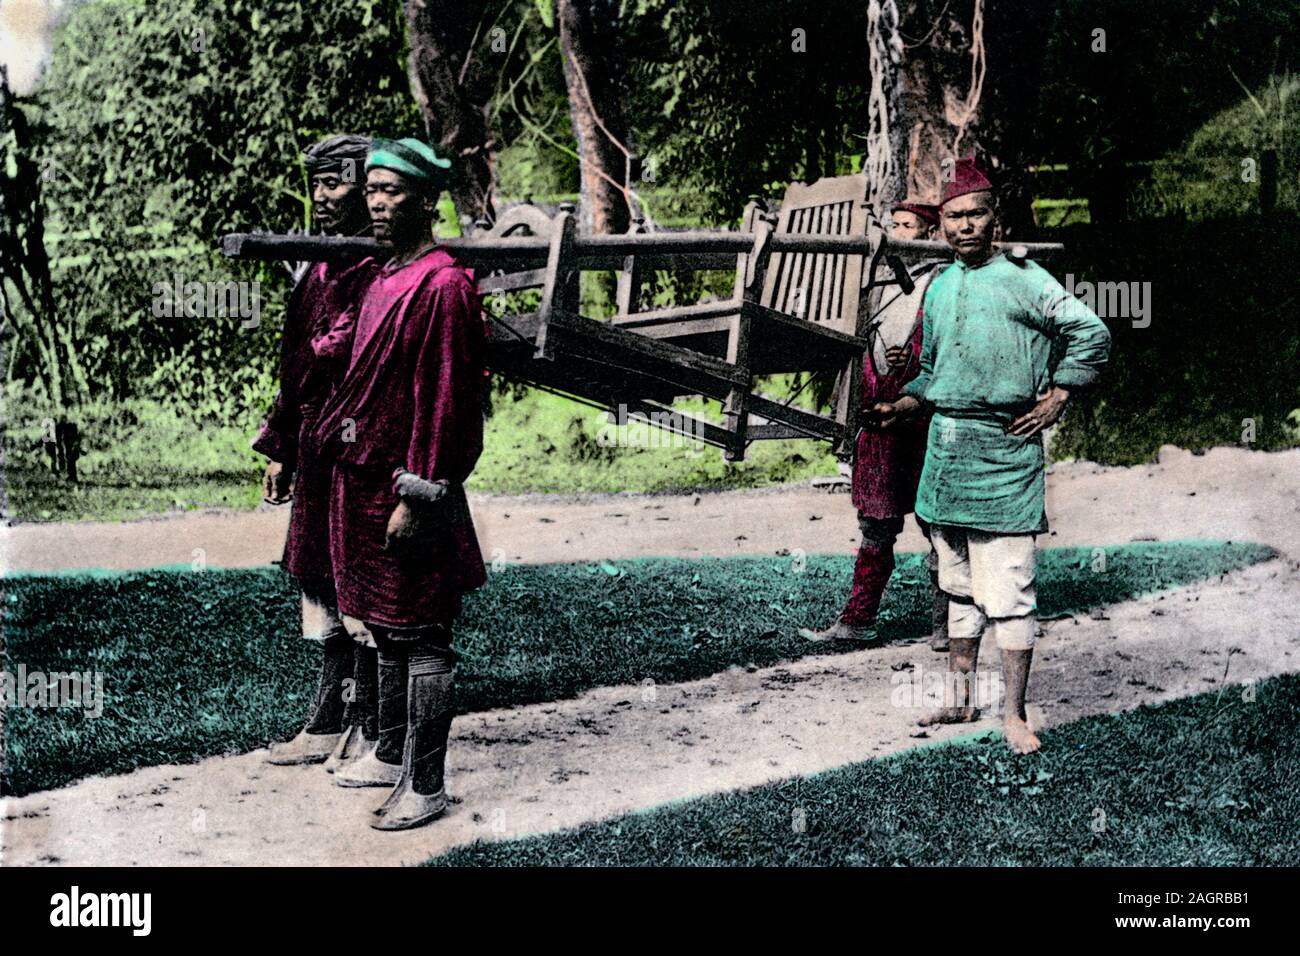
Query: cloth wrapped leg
[[871, 575], [337, 665], [361, 711], [872, 570], [323, 729], [421, 795], [382, 766]]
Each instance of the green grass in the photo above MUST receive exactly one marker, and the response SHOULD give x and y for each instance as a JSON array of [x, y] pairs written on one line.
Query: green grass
[[1209, 780], [544, 443], [147, 460], [124, 497], [1203, 177], [139, 458], [209, 662]]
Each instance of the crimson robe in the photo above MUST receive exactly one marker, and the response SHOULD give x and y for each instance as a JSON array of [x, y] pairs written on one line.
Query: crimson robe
[[887, 464], [323, 294], [411, 398]]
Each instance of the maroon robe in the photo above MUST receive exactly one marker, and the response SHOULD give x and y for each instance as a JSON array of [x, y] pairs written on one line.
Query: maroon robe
[[323, 293], [411, 398], [887, 465]]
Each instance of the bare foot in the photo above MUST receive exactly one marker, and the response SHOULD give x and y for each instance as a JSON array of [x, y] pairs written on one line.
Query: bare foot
[[1020, 736], [950, 715]]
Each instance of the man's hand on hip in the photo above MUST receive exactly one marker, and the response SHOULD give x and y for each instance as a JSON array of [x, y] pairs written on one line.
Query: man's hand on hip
[[1044, 414]]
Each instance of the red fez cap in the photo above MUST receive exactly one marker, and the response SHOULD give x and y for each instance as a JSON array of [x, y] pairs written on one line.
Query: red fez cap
[[967, 177], [923, 209]]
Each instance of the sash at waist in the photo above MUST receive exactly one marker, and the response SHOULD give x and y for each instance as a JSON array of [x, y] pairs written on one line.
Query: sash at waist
[[993, 416]]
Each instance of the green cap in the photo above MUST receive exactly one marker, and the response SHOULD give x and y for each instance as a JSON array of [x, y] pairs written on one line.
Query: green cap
[[410, 157]]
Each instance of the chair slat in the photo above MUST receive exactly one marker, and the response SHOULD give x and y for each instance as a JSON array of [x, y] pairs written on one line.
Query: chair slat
[[813, 298], [793, 263], [837, 290]]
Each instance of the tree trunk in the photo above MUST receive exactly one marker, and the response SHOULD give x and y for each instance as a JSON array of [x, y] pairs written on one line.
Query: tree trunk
[[449, 42], [589, 46], [25, 264], [937, 73], [812, 163]]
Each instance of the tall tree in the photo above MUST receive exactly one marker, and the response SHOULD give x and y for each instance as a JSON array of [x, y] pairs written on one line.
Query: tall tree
[[452, 81], [25, 268], [736, 100], [592, 54], [885, 161], [970, 83]]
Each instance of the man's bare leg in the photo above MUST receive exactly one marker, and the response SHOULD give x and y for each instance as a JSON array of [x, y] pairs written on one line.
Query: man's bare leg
[[938, 616], [1015, 674], [959, 692], [938, 599]]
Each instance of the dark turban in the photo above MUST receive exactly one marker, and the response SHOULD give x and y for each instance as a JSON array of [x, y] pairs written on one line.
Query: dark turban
[[331, 153]]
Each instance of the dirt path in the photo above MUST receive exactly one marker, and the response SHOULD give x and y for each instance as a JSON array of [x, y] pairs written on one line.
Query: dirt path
[[536, 768], [1228, 493]]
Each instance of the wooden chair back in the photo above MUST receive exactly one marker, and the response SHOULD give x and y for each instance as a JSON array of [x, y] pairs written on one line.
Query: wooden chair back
[[824, 289]]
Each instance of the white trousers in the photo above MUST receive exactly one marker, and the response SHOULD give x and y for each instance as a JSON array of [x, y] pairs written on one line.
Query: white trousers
[[989, 578], [320, 614]]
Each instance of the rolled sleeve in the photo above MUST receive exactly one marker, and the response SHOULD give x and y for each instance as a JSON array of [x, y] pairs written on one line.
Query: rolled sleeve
[[1085, 337]]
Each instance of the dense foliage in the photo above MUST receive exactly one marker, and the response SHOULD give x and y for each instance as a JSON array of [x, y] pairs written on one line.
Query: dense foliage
[[159, 127], [166, 126]]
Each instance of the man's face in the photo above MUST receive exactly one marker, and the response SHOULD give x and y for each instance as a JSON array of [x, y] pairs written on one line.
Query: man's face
[[908, 225], [967, 224], [338, 205], [400, 212]]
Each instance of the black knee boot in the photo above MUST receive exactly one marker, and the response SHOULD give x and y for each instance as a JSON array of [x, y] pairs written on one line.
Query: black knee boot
[[337, 665], [382, 765], [430, 697], [363, 709], [421, 794], [392, 706], [360, 712], [320, 736]]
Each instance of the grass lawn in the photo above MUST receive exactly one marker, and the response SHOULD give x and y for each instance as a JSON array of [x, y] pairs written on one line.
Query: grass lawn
[[544, 443], [147, 459], [123, 496], [197, 663], [1210, 780], [157, 462]]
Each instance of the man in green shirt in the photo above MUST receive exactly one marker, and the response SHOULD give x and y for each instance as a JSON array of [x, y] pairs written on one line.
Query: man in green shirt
[[1003, 346]]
